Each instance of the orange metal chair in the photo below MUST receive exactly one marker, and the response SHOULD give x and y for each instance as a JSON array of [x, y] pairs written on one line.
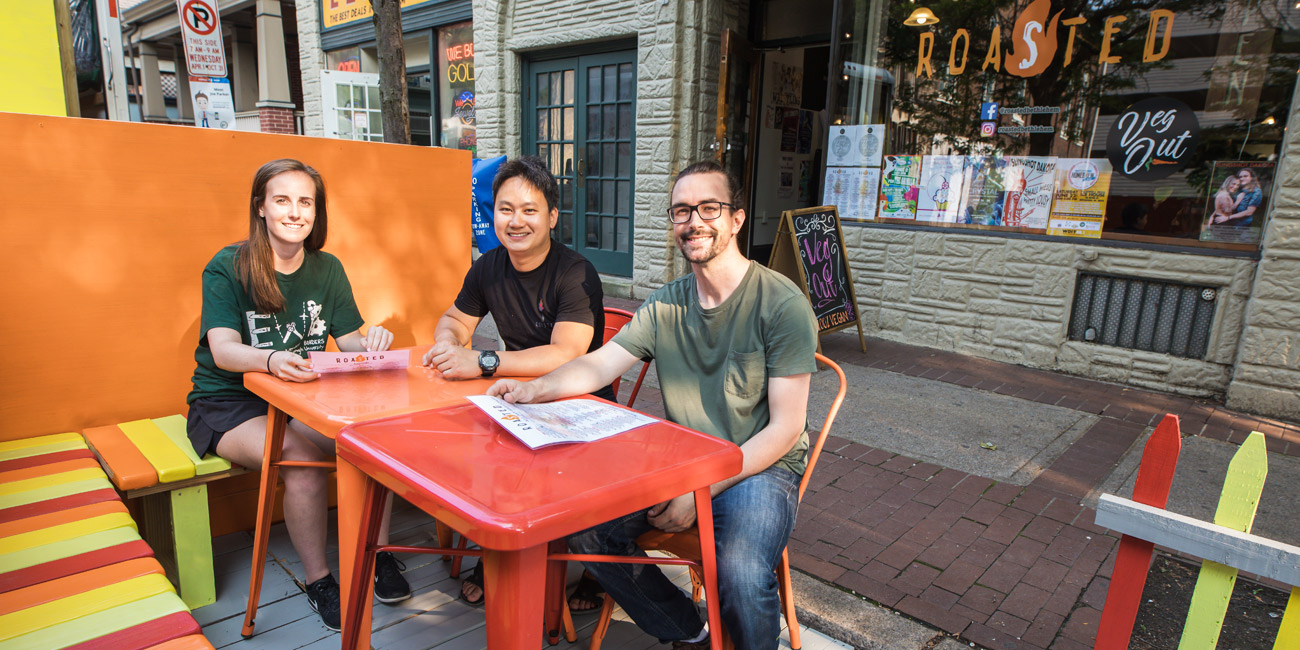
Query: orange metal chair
[[686, 545], [615, 319]]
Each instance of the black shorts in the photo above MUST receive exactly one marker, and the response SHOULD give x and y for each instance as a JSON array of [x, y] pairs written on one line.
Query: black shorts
[[211, 417]]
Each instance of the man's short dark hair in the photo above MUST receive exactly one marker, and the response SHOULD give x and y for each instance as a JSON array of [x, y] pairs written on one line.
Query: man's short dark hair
[[711, 167], [535, 173]]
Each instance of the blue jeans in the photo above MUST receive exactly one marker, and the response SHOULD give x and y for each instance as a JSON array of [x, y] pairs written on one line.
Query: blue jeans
[[752, 521]]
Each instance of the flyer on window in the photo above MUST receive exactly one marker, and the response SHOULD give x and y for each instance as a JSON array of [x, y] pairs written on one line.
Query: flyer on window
[[1030, 182], [985, 191], [570, 420], [899, 187], [327, 362], [853, 191], [943, 188], [1079, 207], [1237, 201]]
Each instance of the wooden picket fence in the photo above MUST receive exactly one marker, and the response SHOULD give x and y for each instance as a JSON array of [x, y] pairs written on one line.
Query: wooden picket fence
[[1225, 546]]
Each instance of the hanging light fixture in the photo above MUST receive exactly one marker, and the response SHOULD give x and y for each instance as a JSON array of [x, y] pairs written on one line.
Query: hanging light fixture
[[921, 17]]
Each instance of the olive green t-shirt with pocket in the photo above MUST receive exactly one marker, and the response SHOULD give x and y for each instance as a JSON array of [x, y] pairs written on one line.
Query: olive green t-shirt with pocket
[[713, 364]]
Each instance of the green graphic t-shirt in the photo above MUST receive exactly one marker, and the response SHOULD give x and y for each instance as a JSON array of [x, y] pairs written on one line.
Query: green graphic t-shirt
[[318, 304], [714, 363]]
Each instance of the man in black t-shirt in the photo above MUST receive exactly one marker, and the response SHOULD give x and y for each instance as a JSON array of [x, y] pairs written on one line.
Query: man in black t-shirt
[[545, 298]]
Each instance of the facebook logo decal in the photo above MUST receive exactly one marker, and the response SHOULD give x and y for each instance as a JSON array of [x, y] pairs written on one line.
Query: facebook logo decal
[[989, 111]]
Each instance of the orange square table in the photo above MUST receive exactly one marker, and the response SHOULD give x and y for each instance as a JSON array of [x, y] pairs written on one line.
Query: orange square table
[[327, 405], [460, 466]]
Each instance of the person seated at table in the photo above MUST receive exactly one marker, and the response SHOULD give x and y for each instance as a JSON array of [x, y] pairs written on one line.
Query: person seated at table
[[267, 301], [545, 298], [734, 343]]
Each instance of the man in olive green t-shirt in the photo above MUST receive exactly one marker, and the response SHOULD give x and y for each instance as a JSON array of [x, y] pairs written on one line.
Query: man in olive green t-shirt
[[734, 345]]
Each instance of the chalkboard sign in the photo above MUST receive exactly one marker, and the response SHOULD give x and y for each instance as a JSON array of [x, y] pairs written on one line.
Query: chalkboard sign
[[809, 249]]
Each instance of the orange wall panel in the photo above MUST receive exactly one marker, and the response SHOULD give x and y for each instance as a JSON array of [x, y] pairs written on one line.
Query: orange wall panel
[[107, 227]]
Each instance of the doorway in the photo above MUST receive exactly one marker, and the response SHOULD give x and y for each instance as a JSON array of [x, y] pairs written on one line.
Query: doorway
[[579, 117], [790, 125]]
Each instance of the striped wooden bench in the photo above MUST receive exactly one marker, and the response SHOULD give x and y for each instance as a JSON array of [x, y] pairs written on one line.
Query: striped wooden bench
[[153, 460], [74, 572]]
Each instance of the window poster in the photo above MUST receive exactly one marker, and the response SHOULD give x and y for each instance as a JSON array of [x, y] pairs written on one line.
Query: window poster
[[942, 188], [1030, 182], [899, 186], [851, 145], [985, 191], [853, 191], [1237, 202], [1079, 207]]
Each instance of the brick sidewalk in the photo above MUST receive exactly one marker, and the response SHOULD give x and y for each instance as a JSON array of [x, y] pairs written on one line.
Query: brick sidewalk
[[1000, 565]]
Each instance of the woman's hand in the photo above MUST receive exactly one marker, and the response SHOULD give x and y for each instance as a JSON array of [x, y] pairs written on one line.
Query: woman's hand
[[288, 366], [377, 339]]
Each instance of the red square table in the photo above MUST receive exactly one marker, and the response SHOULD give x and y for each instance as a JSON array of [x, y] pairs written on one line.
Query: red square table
[[327, 405], [460, 466]]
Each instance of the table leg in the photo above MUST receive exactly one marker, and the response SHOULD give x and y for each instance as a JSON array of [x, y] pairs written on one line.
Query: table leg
[[515, 582], [709, 564], [352, 484], [273, 447], [555, 591], [360, 585]]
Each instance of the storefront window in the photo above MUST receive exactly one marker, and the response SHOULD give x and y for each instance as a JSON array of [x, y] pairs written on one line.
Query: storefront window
[[1073, 119], [456, 86]]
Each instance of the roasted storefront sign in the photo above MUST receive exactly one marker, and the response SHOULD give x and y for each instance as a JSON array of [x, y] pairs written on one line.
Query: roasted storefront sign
[[1035, 41]]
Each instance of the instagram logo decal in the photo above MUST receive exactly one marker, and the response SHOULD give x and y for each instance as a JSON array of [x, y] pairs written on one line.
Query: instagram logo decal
[[988, 128]]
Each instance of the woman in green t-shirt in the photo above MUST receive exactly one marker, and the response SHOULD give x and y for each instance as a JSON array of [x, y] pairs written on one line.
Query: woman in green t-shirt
[[267, 301]]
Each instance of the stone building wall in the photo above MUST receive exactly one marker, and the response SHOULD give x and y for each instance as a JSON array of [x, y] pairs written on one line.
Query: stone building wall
[[1267, 378], [311, 61], [1009, 299]]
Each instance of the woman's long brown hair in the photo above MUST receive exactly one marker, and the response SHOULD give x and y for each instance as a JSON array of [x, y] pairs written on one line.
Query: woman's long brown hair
[[255, 260]]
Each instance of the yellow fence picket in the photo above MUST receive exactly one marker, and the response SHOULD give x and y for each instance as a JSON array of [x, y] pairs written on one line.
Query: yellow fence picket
[[1288, 636], [1237, 504]]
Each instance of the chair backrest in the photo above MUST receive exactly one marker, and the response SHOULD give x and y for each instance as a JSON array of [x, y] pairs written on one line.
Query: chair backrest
[[816, 450], [615, 319]]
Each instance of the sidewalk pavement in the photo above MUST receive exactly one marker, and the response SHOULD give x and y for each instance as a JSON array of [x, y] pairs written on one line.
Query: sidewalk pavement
[[906, 510]]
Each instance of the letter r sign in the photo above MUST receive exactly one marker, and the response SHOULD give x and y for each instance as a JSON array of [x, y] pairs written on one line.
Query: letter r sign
[[989, 111]]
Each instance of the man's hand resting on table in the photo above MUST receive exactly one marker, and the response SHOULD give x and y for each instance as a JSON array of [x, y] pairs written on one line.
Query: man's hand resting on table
[[454, 361], [675, 515], [514, 391]]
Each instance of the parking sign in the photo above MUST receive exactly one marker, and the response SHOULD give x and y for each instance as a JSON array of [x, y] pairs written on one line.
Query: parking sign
[[205, 53]]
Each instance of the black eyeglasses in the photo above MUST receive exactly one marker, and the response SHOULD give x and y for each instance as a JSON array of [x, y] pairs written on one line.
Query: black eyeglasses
[[708, 211]]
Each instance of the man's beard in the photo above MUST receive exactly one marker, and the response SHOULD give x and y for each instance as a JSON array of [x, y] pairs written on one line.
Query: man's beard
[[706, 255]]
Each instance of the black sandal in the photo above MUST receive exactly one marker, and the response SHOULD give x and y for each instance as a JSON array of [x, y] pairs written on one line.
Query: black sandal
[[588, 590], [475, 578]]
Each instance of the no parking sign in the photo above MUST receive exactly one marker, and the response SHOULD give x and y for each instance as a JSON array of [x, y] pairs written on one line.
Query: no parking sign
[[205, 52]]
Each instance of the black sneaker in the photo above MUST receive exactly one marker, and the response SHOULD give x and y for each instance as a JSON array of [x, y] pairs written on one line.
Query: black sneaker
[[390, 586], [702, 644], [323, 595]]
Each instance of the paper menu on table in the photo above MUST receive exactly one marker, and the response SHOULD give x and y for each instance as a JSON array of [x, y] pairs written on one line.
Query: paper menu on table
[[327, 362], [573, 420]]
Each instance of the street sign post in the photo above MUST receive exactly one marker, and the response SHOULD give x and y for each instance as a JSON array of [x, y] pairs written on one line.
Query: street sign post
[[205, 52]]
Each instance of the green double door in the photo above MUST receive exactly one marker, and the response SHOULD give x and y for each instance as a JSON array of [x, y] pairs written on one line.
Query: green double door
[[580, 118]]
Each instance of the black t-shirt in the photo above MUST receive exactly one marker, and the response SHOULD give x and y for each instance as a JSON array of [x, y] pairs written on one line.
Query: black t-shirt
[[526, 306]]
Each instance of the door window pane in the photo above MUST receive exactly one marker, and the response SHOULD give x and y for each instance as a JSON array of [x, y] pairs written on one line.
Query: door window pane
[[593, 122], [625, 81], [611, 83], [457, 99], [593, 84], [625, 121], [624, 159]]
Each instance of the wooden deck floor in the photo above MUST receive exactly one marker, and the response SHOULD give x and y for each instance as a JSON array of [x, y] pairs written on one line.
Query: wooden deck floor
[[434, 617]]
